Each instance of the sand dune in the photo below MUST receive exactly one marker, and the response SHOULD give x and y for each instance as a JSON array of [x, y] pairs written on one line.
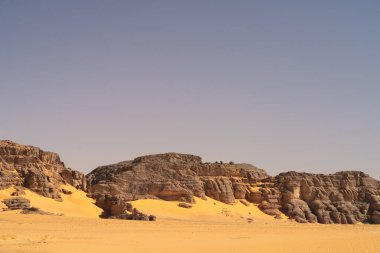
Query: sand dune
[[76, 204], [208, 209], [209, 226]]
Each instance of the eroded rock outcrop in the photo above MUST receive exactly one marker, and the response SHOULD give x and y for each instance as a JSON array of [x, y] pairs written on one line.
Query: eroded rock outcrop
[[17, 203], [345, 197], [35, 169], [169, 176]]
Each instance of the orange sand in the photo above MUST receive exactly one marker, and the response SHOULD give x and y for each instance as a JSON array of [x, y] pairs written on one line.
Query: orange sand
[[203, 210], [76, 204], [206, 227]]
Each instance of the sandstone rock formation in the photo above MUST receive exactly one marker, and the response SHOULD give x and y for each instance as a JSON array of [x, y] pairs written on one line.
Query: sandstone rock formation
[[345, 197], [169, 176], [17, 203], [37, 170], [185, 205], [35, 210], [23, 204]]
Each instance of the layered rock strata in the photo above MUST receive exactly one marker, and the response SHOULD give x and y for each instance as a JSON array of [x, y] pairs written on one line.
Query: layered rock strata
[[35, 169], [345, 197], [16, 203], [169, 177]]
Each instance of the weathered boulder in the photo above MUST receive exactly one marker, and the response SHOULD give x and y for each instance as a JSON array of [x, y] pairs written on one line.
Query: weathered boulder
[[131, 213], [18, 192], [220, 189], [299, 209], [35, 210], [270, 208], [375, 217], [67, 192], [185, 205], [17, 203], [113, 206]]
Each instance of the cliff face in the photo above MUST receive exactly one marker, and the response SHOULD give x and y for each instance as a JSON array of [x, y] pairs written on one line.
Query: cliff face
[[344, 198], [37, 170], [169, 176]]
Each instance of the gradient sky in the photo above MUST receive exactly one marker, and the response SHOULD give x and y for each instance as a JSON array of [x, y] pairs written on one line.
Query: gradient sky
[[284, 85]]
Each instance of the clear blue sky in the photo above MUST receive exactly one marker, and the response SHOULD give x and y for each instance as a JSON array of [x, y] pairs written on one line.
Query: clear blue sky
[[284, 85]]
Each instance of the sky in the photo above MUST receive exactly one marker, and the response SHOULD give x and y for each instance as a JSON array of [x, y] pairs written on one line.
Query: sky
[[283, 85]]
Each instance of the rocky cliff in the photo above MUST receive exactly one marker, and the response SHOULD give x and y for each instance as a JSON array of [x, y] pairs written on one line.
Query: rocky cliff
[[344, 197], [35, 169], [169, 176]]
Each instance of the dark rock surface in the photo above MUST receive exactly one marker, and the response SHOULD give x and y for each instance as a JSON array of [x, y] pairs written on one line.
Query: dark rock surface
[[169, 177], [185, 205], [35, 169], [18, 192], [131, 213], [34, 210], [17, 203], [345, 197]]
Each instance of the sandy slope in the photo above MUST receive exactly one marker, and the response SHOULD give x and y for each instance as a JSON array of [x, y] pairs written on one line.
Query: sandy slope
[[209, 226], [76, 204], [202, 210]]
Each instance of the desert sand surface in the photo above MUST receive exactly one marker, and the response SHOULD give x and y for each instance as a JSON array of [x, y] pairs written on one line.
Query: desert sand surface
[[42, 234], [208, 209], [76, 204], [209, 226]]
